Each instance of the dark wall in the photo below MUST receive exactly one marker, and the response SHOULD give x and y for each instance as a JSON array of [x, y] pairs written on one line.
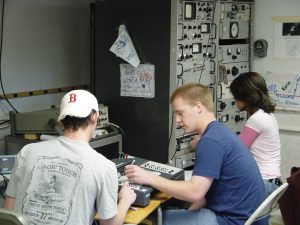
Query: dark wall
[[145, 121]]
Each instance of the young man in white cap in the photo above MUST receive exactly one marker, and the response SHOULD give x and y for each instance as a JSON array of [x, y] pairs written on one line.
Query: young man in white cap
[[65, 181]]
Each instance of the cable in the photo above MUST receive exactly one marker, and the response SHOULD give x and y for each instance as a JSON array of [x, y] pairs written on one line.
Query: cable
[[212, 20], [195, 68], [179, 78], [5, 179], [173, 155], [119, 128], [95, 222], [1, 43], [171, 136], [176, 148]]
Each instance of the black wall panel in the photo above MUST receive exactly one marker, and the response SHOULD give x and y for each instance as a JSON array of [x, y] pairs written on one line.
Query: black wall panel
[[145, 121]]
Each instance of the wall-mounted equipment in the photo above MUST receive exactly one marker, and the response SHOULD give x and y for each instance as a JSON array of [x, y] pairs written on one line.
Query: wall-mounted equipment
[[260, 48], [209, 43]]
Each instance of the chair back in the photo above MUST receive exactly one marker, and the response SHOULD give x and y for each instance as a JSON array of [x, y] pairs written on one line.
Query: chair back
[[9, 217], [267, 205]]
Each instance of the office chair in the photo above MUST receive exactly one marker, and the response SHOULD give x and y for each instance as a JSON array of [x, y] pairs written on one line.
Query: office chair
[[267, 205], [9, 217]]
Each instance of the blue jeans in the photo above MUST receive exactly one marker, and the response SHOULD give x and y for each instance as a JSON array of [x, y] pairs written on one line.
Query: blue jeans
[[189, 217], [269, 187]]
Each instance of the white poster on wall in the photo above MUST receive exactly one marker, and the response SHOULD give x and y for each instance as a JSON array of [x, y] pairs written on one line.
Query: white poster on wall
[[287, 39], [137, 82], [284, 88]]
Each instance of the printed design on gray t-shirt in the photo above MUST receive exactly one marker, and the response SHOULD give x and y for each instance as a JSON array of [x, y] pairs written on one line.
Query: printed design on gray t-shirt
[[50, 193]]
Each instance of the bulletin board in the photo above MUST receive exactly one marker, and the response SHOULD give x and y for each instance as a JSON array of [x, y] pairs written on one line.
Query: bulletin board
[[137, 82], [284, 88]]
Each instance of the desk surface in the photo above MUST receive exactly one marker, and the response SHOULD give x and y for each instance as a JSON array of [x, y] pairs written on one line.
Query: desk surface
[[137, 216]]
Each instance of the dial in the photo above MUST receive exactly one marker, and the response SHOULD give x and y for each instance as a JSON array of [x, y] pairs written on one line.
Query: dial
[[234, 71], [234, 30]]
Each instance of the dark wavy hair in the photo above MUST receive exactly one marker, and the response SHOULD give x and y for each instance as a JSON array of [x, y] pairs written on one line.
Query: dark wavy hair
[[251, 89], [74, 123]]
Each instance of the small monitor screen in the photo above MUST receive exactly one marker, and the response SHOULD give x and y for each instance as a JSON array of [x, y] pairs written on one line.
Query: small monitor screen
[[197, 48], [190, 10]]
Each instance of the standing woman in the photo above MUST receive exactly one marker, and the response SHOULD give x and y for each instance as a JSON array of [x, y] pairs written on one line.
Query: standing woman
[[260, 133]]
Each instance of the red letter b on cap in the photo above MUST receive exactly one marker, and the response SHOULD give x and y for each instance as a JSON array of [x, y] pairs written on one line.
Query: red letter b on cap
[[72, 98]]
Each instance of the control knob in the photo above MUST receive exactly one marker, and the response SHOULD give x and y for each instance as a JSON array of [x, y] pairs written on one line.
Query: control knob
[[238, 118], [222, 105], [234, 71], [229, 51]]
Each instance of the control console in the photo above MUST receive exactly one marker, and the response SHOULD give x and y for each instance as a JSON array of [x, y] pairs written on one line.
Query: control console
[[143, 192]]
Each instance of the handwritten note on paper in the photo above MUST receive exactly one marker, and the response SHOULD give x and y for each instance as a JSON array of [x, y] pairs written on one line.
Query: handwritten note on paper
[[137, 82], [124, 48], [284, 88]]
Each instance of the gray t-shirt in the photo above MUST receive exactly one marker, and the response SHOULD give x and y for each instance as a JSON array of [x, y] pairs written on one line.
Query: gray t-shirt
[[63, 181]]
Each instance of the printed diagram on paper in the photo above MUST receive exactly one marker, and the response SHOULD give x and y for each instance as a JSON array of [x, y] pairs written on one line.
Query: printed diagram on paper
[[284, 88], [137, 82]]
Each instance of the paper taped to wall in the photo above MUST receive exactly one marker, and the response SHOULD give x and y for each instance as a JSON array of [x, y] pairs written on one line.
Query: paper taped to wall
[[137, 82], [124, 48]]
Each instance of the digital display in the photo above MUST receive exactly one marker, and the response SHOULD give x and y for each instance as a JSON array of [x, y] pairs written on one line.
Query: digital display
[[197, 48], [234, 29], [205, 28], [189, 10]]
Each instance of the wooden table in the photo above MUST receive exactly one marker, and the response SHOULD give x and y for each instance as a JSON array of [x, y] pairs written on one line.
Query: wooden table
[[137, 216]]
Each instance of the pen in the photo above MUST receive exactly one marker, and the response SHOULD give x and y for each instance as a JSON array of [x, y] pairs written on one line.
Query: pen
[[133, 162]]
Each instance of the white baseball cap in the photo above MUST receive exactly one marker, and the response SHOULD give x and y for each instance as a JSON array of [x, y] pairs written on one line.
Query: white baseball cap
[[78, 103]]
